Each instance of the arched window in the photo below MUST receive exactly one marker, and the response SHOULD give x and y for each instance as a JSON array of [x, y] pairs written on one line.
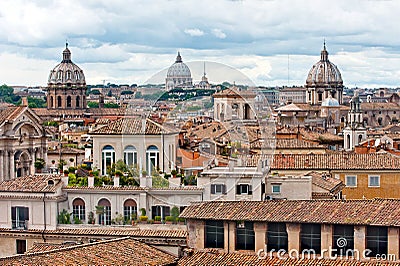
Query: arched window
[[78, 102], [78, 209], [360, 137], [51, 102], [69, 101], [107, 158], [58, 101], [348, 142], [130, 155], [59, 75], [130, 208], [77, 75], [68, 75], [152, 159], [103, 209]]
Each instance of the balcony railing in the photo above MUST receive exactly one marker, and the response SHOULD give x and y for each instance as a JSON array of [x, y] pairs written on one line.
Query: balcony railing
[[22, 225]]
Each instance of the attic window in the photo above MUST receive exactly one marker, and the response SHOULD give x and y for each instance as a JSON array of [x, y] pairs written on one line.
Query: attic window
[[50, 182]]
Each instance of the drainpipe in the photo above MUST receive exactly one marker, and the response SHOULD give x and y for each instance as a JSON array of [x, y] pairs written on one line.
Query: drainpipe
[[228, 236]]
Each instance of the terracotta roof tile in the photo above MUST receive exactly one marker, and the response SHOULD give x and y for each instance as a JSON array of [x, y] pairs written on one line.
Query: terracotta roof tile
[[110, 231], [32, 183], [131, 126], [206, 257], [122, 251], [384, 212], [331, 161]]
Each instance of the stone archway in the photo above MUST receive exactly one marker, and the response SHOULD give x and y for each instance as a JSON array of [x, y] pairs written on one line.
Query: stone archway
[[23, 163]]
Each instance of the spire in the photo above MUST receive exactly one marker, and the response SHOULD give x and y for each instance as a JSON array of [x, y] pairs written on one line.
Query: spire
[[66, 54], [204, 69], [324, 54], [178, 58]]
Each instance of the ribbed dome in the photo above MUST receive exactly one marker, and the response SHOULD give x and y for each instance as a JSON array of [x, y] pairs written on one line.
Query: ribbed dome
[[330, 102], [66, 72], [179, 69], [324, 73]]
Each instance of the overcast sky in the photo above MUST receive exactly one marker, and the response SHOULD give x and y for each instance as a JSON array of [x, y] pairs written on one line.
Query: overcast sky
[[272, 42]]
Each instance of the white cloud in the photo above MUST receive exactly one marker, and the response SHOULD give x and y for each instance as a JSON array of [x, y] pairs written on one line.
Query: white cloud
[[194, 32], [219, 33]]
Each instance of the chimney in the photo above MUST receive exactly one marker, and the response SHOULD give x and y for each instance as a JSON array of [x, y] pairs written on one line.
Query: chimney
[[116, 181], [24, 101], [144, 125], [231, 165], [90, 181]]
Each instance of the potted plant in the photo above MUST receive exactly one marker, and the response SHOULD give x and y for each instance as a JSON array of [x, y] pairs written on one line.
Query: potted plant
[[143, 217], [39, 165], [173, 173], [175, 213], [157, 219], [91, 218], [66, 172], [144, 173], [169, 219], [181, 220], [133, 218]]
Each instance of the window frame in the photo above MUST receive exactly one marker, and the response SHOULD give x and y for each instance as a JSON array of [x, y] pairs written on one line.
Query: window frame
[[274, 186], [214, 189], [370, 183], [214, 229], [355, 180]]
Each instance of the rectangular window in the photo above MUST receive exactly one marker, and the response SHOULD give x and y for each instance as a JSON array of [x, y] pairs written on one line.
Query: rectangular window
[[374, 181], [19, 217], [343, 240], [276, 188], [245, 239], [351, 181], [277, 237], [214, 234], [21, 246], [244, 189], [377, 240], [310, 237], [218, 189]]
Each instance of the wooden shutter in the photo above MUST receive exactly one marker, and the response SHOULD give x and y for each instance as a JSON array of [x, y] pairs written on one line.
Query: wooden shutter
[[250, 192], [212, 189], [237, 189], [223, 189]]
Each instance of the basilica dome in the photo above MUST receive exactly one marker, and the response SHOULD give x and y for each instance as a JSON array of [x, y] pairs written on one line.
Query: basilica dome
[[178, 75], [66, 73], [330, 102], [324, 73], [179, 69]]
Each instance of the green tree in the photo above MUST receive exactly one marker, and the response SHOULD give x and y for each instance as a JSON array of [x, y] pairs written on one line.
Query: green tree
[[64, 217], [93, 105]]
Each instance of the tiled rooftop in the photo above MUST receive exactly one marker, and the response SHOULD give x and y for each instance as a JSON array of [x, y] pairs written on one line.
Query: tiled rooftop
[[131, 126], [206, 257], [122, 251], [384, 212], [330, 161], [110, 231], [10, 113], [31, 183], [326, 182]]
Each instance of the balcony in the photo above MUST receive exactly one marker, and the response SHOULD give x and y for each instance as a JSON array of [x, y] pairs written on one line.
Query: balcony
[[20, 225]]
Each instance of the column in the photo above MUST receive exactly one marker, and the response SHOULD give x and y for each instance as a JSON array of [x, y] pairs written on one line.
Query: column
[[12, 167], [326, 239], [359, 239], [229, 236], [393, 242], [293, 231], [260, 230]]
